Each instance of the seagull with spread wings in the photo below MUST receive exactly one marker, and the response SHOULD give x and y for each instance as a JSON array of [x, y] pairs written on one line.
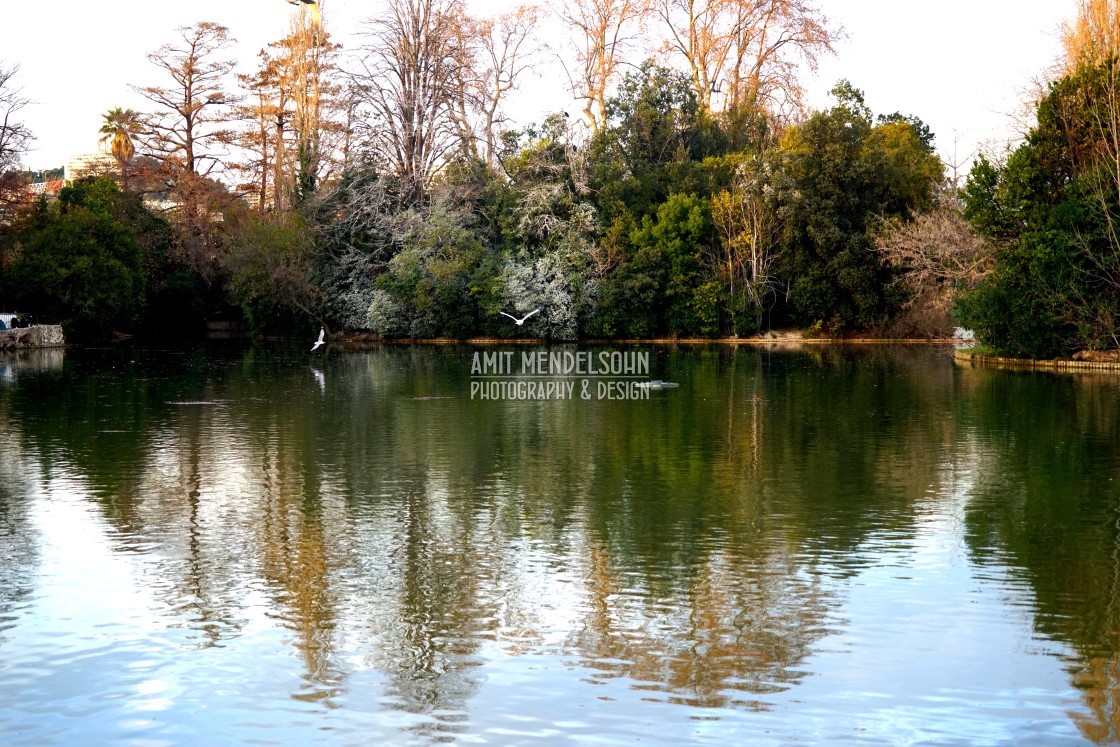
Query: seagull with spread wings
[[520, 321], [321, 340]]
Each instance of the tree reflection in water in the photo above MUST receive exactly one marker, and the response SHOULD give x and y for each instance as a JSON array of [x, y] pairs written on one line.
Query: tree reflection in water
[[1049, 504], [19, 551], [695, 545]]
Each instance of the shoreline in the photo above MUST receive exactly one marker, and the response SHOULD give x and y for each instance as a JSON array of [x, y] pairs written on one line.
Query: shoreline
[[695, 341], [965, 356]]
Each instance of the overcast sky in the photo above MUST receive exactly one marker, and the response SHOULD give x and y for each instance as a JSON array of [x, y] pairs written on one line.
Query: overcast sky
[[961, 65]]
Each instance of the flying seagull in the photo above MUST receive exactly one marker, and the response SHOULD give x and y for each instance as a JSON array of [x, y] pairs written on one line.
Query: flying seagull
[[520, 321], [320, 341]]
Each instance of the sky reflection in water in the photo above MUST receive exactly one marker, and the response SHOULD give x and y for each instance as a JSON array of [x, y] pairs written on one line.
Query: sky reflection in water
[[862, 546]]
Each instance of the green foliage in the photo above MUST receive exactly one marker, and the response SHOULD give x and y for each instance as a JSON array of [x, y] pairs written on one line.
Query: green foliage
[[1050, 210], [433, 286], [98, 261], [78, 264], [983, 207], [920, 129], [1008, 312], [176, 296], [615, 237], [355, 237], [842, 173], [661, 287], [271, 272], [672, 243], [669, 221], [653, 139]]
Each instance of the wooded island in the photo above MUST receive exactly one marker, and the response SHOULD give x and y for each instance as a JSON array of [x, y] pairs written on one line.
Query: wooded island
[[383, 191]]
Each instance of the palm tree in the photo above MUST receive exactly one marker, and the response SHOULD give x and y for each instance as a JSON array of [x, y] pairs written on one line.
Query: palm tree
[[117, 128]]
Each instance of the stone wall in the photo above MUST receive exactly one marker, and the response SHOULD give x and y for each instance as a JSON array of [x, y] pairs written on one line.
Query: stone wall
[[39, 336]]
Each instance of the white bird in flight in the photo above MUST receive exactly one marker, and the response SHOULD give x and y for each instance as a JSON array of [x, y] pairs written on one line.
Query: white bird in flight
[[520, 321], [320, 341]]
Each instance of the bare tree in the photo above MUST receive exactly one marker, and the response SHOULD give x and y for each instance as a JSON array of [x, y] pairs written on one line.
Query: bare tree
[[495, 53], [290, 132], [1094, 34], [186, 132], [186, 127], [308, 71], [697, 31], [749, 50], [263, 120], [15, 139], [772, 39], [934, 253], [466, 91], [509, 51], [603, 30], [406, 76]]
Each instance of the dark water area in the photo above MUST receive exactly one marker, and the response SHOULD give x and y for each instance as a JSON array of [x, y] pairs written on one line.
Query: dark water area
[[819, 545]]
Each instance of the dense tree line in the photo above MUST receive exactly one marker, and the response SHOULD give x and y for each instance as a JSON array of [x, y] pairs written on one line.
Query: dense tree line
[[1050, 210], [383, 190], [390, 194]]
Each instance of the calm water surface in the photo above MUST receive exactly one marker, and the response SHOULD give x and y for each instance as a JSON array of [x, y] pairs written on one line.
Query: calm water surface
[[817, 546]]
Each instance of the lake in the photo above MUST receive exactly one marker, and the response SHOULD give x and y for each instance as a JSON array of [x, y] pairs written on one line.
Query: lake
[[803, 545]]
